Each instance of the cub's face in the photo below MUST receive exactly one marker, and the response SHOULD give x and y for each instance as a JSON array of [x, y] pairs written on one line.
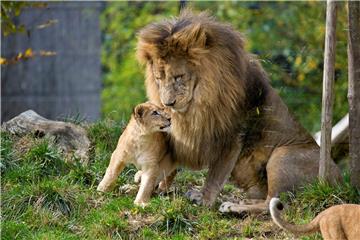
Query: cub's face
[[152, 118], [176, 82]]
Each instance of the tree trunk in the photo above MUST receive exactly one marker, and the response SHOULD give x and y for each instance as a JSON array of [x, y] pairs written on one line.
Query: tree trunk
[[328, 86], [354, 90]]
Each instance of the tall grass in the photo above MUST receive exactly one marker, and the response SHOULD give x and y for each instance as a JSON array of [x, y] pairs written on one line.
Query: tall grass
[[313, 198]]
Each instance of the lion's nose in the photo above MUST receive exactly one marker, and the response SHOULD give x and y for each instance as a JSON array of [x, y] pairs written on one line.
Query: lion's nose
[[170, 104]]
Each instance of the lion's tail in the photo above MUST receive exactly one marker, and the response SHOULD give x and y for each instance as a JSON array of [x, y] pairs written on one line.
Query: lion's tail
[[275, 209]]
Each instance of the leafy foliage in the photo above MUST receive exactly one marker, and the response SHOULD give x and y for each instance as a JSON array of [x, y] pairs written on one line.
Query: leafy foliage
[[287, 37], [27, 54], [12, 9], [8, 11]]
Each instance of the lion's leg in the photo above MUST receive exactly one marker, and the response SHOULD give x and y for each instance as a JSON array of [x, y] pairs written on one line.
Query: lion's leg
[[116, 165], [258, 191], [218, 174], [287, 168], [290, 167], [147, 185], [255, 204], [249, 206], [251, 201]]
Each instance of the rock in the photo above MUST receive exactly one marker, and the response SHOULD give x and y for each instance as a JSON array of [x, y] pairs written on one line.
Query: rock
[[70, 138]]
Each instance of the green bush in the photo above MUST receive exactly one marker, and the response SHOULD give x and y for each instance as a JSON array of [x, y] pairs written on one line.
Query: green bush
[[123, 78]]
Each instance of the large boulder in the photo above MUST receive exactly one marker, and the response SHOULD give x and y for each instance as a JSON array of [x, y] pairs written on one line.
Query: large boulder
[[70, 138]]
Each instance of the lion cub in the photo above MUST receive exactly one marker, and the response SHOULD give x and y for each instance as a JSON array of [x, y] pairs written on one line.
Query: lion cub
[[142, 143], [340, 222]]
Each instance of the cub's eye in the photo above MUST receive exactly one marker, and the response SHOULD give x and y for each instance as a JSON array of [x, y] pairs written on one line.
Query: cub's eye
[[155, 113], [178, 78]]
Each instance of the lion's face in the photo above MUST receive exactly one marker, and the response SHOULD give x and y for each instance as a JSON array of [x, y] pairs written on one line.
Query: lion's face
[[176, 81], [152, 118]]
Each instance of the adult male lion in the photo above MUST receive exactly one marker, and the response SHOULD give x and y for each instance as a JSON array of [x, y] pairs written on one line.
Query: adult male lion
[[226, 116]]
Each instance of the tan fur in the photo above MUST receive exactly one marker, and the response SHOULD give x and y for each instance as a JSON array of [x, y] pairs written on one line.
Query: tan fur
[[143, 144], [340, 222], [226, 116]]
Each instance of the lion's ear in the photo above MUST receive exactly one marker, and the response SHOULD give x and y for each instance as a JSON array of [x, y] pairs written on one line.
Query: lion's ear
[[139, 111]]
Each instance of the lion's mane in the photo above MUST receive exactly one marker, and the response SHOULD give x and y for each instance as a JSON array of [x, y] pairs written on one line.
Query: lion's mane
[[231, 84]]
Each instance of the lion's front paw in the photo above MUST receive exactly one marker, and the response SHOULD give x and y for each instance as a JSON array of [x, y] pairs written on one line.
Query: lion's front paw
[[199, 198], [195, 196]]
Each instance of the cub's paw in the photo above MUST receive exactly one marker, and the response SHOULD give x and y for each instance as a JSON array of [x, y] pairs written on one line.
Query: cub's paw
[[102, 188], [141, 203], [137, 177]]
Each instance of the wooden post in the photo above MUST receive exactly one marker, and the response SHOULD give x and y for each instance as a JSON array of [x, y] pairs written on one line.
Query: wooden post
[[328, 86], [354, 90]]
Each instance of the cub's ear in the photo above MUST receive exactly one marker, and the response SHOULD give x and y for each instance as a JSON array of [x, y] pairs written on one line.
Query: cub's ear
[[139, 111]]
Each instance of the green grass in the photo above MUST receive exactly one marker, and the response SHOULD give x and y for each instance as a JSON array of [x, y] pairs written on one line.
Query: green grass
[[45, 197]]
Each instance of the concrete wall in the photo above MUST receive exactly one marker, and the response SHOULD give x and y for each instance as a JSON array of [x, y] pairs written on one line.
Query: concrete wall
[[56, 86]]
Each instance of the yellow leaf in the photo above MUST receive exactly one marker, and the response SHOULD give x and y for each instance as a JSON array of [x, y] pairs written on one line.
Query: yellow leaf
[[3, 61], [301, 77], [298, 61], [29, 53], [312, 64]]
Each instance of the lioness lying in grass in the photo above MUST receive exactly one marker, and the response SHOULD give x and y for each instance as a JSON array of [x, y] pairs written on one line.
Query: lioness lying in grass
[[340, 222], [142, 143]]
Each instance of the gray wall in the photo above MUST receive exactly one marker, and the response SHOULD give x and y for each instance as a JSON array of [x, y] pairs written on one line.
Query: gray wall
[[57, 86]]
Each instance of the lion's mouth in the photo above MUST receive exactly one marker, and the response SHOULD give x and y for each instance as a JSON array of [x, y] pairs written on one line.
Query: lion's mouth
[[165, 127]]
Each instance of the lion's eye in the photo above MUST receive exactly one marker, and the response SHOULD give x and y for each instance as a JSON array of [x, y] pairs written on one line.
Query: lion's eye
[[155, 113], [178, 78]]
